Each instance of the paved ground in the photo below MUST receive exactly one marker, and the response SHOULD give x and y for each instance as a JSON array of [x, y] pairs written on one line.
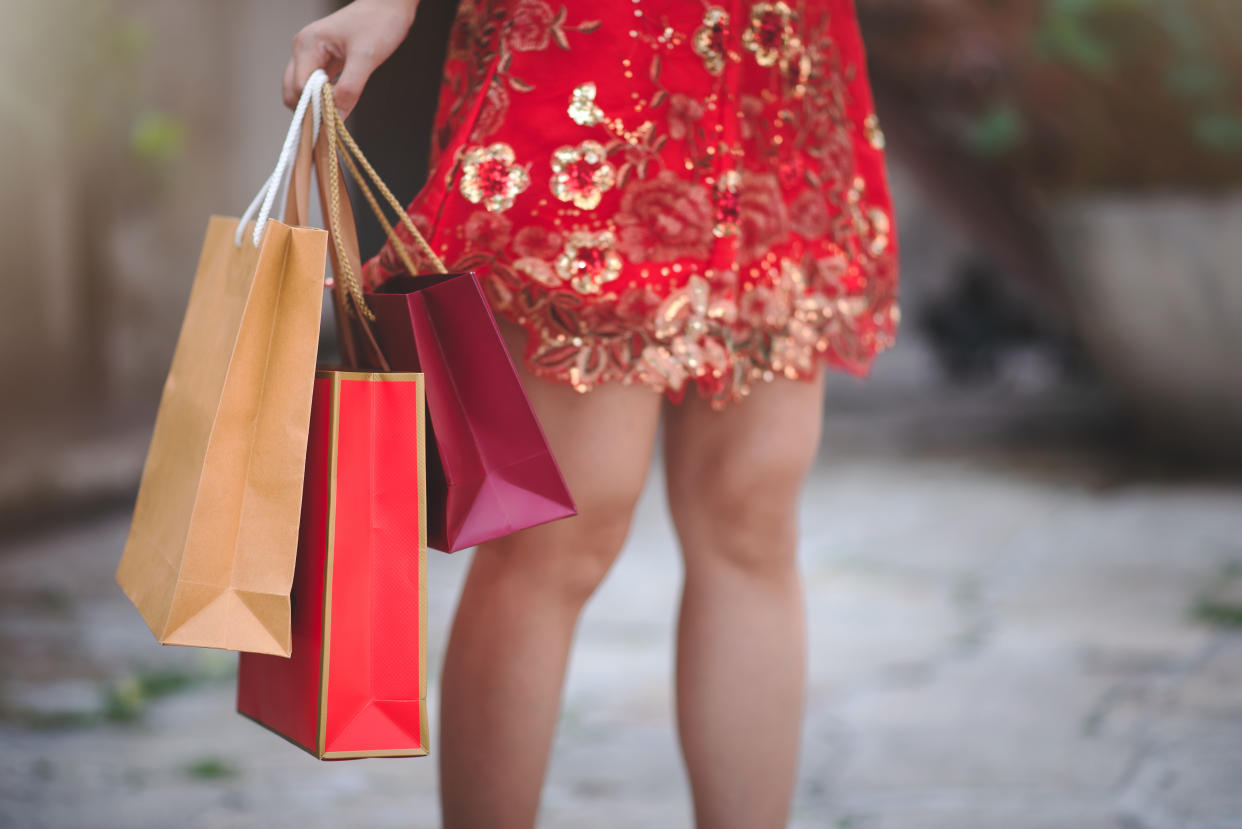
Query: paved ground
[[1004, 634]]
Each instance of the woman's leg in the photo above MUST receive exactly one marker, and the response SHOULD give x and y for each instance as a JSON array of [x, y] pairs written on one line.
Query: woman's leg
[[734, 478], [505, 665]]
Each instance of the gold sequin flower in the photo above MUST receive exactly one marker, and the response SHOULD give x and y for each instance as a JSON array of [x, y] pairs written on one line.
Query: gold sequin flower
[[725, 204], [589, 260], [769, 31], [709, 39], [881, 228], [796, 67], [582, 174], [872, 131], [491, 177], [582, 106]]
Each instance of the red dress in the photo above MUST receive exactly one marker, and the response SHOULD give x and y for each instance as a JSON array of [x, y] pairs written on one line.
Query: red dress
[[665, 192]]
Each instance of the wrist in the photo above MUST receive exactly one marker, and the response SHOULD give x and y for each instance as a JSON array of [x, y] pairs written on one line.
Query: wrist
[[403, 10]]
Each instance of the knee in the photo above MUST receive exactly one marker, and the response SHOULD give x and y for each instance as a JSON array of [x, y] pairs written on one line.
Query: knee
[[567, 560], [584, 552], [741, 513]]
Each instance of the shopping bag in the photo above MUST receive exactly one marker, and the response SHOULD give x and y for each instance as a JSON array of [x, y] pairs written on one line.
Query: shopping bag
[[491, 472], [210, 555], [489, 469], [356, 684]]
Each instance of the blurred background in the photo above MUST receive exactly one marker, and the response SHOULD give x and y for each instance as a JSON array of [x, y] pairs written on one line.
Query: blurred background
[[1023, 541]]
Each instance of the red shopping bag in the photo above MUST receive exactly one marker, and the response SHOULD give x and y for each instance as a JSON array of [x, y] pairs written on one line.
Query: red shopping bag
[[356, 683], [489, 471]]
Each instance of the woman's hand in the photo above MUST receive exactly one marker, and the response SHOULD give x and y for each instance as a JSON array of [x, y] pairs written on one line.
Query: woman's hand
[[350, 43]]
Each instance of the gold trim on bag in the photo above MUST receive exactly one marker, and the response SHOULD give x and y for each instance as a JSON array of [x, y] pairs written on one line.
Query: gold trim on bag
[[335, 424], [372, 376], [423, 591]]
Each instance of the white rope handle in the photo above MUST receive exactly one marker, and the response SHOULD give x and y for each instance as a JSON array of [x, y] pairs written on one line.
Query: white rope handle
[[277, 183]]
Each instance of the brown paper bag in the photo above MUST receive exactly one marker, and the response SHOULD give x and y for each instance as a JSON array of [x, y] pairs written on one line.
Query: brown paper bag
[[211, 549]]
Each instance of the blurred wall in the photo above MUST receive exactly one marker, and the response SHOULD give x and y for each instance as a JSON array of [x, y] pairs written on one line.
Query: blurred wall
[[126, 122]]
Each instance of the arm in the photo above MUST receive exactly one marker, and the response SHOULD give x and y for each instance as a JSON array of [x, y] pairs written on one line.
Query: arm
[[348, 43]]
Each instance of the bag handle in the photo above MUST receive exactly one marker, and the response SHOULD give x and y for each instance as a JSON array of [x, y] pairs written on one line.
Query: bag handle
[[278, 182], [350, 147], [347, 259]]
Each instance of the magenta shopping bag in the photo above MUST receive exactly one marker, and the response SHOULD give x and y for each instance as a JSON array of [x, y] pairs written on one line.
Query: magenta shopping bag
[[489, 469]]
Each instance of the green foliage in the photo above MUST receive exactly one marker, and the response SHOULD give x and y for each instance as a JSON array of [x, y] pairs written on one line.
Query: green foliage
[[1195, 80], [1113, 41], [1221, 603], [53, 720], [54, 601], [211, 768], [997, 131], [126, 698], [94, 91], [1221, 614], [1219, 131], [157, 137], [1064, 35]]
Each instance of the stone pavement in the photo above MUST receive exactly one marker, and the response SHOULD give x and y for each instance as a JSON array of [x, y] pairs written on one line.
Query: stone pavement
[[1002, 634]]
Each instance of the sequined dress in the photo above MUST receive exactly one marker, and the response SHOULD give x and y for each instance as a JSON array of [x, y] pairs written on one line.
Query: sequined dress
[[665, 192]]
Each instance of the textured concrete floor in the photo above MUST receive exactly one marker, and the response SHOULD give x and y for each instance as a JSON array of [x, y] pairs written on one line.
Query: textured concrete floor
[[1002, 635]]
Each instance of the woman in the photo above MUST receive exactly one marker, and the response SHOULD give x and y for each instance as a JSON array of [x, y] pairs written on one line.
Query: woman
[[676, 208]]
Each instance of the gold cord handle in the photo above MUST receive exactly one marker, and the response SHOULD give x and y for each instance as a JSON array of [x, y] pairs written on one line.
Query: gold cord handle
[[352, 285], [336, 126]]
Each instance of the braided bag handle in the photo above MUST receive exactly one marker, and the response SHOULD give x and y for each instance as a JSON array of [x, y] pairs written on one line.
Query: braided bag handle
[[349, 147]]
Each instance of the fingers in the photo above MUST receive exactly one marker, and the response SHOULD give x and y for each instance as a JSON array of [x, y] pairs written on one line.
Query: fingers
[[338, 44], [309, 54], [288, 90], [353, 78]]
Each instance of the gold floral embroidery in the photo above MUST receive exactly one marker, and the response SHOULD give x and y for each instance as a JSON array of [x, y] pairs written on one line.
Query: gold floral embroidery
[[665, 218], [796, 67], [531, 26], [537, 241], [769, 31], [763, 216], [538, 270], [765, 306], [809, 216], [687, 345], [488, 231], [880, 228], [870, 225], [726, 203], [581, 174], [709, 39], [492, 113], [582, 106], [729, 256], [684, 115], [684, 311], [589, 260], [491, 177], [872, 131]]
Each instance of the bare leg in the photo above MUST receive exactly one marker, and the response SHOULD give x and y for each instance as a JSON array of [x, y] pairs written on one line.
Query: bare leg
[[505, 665], [734, 479]]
